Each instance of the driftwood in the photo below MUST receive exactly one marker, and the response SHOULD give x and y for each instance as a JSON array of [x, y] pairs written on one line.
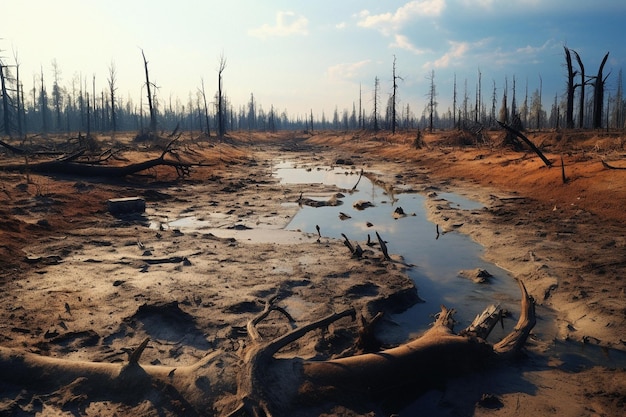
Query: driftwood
[[369, 376], [267, 386]]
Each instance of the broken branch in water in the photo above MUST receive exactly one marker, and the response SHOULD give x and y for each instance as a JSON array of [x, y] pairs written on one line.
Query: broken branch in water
[[357, 181], [356, 251], [383, 247]]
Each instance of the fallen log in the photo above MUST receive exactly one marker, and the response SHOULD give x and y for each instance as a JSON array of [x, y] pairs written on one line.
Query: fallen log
[[68, 165], [438, 354], [265, 385]]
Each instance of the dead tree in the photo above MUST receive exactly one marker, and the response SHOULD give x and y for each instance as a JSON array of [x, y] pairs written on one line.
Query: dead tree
[[532, 146], [569, 110], [112, 91], [265, 389], [6, 106], [394, 97], [598, 94], [581, 98], [153, 123], [206, 110], [432, 104], [375, 111], [267, 386], [221, 116]]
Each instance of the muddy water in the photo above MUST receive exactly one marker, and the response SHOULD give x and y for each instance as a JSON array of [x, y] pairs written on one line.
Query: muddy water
[[436, 258]]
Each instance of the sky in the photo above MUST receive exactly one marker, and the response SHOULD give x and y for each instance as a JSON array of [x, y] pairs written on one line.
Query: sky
[[305, 55]]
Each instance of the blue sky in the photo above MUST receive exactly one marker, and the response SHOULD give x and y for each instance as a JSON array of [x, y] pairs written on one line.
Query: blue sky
[[313, 55]]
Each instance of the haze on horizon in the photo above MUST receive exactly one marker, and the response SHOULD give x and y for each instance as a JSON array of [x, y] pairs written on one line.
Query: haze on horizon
[[302, 56]]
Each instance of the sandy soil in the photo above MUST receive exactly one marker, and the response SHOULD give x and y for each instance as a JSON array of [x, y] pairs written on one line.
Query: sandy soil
[[82, 284]]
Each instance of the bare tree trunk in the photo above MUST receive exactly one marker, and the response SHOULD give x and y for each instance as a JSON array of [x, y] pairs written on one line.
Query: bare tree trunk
[[394, 98], [539, 112], [221, 117], [376, 128], [454, 103], [206, 111], [598, 95], [88, 116], [149, 93], [94, 108], [581, 102], [20, 99], [569, 111], [112, 89], [43, 102], [431, 100], [6, 119]]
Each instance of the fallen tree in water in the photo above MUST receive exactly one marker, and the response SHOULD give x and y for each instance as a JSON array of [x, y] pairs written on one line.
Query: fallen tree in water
[[258, 383]]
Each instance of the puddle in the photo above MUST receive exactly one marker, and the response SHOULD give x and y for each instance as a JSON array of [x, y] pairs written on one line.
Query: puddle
[[238, 231], [437, 259], [342, 177], [460, 202], [573, 356]]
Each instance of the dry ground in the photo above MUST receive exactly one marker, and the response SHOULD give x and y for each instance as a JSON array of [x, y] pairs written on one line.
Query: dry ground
[[82, 284]]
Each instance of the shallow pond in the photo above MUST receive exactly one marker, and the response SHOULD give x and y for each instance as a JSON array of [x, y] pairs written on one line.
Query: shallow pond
[[437, 259]]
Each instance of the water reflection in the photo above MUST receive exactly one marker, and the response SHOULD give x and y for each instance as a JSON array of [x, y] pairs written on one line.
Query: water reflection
[[437, 260]]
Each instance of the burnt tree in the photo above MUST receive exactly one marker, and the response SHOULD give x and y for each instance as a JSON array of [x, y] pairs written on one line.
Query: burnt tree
[[569, 110], [375, 114], [206, 110], [6, 107], [583, 82], [153, 122], [112, 89], [598, 94], [221, 116], [394, 97]]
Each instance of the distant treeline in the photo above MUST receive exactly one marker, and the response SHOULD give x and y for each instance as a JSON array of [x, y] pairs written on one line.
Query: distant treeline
[[80, 107]]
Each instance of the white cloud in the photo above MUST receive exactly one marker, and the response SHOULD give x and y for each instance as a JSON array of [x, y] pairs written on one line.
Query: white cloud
[[346, 71], [341, 25], [402, 42], [388, 23], [287, 23], [532, 50], [455, 54]]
